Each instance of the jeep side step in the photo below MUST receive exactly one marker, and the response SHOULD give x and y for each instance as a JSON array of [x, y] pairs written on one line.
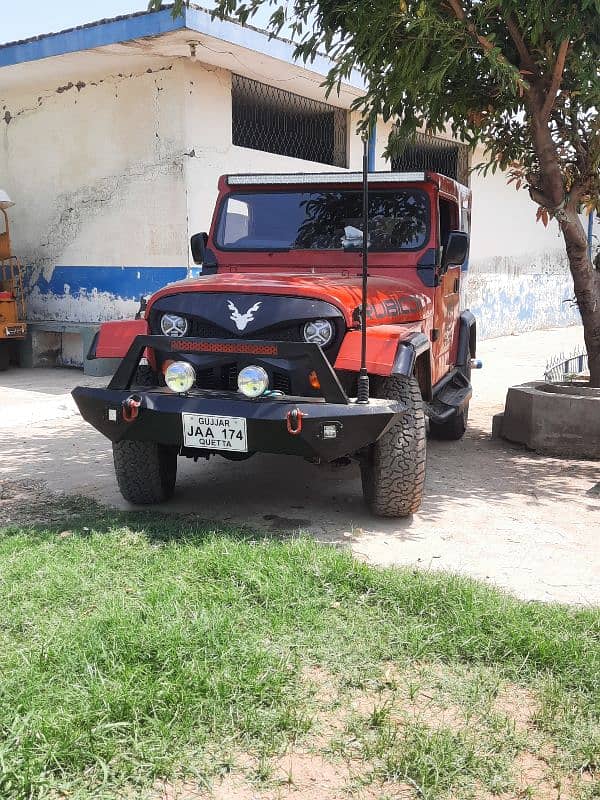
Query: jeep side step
[[449, 395]]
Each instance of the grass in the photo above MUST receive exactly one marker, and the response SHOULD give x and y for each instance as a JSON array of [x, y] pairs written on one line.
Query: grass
[[138, 647]]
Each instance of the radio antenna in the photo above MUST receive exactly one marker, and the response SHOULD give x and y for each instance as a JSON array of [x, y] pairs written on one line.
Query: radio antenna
[[362, 392]]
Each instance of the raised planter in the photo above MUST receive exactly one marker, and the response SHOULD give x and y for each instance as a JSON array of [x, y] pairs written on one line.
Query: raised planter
[[559, 419]]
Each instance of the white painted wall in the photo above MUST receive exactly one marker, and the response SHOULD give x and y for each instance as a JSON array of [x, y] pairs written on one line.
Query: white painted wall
[[96, 170], [505, 234]]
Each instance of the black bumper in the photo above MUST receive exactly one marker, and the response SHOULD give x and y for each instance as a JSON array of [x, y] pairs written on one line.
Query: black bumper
[[159, 419], [269, 430]]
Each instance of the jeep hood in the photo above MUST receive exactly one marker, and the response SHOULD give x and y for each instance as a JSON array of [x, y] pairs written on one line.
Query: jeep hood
[[389, 300]]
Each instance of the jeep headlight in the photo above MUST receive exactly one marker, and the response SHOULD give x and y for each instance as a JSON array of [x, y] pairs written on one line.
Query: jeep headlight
[[173, 325], [319, 331]]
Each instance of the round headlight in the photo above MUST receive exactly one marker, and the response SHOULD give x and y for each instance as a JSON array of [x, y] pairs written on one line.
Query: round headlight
[[180, 376], [173, 325], [253, 381], [321, 331]]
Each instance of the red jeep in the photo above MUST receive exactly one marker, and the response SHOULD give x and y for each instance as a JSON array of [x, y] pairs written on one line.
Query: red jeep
[[263, 352]]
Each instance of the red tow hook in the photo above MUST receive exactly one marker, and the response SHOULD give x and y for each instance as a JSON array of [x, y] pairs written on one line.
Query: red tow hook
[[131, 408], [294, 422]]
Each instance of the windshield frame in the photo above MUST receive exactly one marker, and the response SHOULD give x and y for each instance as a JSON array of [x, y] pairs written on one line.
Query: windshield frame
[[307, 189]]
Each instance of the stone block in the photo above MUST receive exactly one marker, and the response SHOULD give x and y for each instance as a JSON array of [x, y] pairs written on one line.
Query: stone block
[[555, 419]]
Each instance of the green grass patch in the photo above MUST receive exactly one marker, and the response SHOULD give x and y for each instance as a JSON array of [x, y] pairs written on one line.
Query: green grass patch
[[136, 647]]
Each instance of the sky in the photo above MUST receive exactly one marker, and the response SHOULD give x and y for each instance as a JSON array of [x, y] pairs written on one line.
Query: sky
[[19, 20]]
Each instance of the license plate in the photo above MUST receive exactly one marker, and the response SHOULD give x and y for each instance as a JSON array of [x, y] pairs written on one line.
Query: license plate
[[208, 432]]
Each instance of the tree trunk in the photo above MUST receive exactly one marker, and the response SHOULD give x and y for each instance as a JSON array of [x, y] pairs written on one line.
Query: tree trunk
[[586, 280]]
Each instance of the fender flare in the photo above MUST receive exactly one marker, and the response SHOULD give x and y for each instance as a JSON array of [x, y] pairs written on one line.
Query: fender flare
[[467, 339], [413, 351]]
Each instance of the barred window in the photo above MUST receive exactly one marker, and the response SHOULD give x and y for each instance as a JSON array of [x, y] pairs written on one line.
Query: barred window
[[437, 155], [276, 121]]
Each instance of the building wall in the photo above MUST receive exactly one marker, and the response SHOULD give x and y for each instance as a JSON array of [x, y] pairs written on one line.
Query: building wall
[[519, 278], [96, 171]]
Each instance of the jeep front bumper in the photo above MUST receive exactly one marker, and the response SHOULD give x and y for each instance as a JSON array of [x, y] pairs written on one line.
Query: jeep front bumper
[[326, 428]]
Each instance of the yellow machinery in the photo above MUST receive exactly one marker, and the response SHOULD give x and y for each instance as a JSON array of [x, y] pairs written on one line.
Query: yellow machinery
[[12, 299]]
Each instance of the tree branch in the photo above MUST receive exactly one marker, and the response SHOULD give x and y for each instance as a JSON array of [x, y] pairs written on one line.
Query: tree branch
[[461, 15], [524, 54], [557, 75]]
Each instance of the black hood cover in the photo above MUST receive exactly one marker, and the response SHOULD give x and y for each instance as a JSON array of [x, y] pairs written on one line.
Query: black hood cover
[[242, 315]]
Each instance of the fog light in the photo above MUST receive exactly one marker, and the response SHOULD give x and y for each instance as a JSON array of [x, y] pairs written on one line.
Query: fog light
[[330, 431], [253, 381], [180, 376]]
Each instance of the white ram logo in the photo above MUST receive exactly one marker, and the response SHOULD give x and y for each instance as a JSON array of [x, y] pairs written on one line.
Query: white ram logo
[[242, 320]]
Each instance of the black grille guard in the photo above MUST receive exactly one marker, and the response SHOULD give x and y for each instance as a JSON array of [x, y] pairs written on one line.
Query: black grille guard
[[302, 354]]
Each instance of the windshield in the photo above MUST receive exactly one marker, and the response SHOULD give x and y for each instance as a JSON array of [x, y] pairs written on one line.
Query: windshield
[[320, 220]]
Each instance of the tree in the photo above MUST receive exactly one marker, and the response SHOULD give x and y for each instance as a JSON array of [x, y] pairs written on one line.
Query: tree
[[520, 77]]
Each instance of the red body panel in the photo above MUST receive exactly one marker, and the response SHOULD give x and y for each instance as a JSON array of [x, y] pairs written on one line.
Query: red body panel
[[398, 299], [382, 346], [115, 338]]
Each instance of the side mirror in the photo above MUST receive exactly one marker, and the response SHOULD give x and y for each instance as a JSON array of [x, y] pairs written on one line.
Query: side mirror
[[202, 254], [456, 249], [198, 244]]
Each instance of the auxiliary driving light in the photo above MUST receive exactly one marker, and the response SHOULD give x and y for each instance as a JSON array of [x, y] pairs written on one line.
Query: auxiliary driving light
[[318, 331], [253, 381], [180, 376]]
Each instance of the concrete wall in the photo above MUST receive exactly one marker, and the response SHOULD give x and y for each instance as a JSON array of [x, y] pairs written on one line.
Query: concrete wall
[[96, 169], [519, 278], [210, 152]]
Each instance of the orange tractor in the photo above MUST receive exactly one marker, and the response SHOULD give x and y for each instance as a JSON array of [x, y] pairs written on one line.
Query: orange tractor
[[12, 300]]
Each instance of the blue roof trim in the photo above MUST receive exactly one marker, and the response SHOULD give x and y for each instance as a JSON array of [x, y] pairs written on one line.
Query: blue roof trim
[[144, 24], [201, 21], [89, 37]]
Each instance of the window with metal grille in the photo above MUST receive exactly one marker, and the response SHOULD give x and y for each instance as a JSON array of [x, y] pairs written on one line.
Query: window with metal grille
[[435, 154], [275, 121]]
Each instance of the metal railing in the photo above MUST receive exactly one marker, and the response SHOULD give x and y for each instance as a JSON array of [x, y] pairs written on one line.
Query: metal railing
[[425, 152], [276, 121], [563, 368]]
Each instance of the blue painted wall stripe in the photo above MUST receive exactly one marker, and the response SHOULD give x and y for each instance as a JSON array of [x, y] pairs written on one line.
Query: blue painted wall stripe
[[125, 283]]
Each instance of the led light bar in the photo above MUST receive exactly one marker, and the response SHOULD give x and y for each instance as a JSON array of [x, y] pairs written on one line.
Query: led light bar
[[295, 178]]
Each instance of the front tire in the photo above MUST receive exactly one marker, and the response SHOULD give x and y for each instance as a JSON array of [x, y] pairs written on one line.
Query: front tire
[[146, 471], [393, 470]]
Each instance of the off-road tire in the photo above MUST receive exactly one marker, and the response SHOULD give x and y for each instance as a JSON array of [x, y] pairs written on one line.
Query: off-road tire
[[454, 428], [146, 471], [393, 469]]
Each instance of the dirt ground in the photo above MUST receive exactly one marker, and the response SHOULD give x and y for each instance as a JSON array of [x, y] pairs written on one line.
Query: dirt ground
[[492, 510]]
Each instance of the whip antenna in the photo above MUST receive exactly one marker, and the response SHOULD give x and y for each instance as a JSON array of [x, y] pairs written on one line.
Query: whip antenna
[[362, 393]]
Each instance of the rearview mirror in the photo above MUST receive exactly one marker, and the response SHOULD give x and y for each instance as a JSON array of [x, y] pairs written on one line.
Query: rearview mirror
[[202, 254], [456, 249], [198, 244]]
